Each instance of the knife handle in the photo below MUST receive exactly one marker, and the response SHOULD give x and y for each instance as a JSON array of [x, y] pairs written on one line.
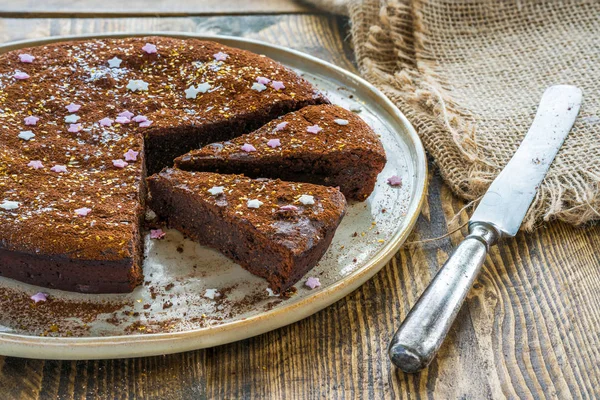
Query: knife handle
[[421, 334]]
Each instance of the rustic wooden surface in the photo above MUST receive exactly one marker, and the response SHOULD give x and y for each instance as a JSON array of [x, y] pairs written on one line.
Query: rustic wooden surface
[[156, 8], [529, 329]]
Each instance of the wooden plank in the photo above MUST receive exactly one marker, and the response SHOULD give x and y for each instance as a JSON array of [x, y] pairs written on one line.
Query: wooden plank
[[529, 328], [111, 8]]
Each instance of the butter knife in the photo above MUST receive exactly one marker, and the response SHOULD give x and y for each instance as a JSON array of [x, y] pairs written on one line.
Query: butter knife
[[499, 214]]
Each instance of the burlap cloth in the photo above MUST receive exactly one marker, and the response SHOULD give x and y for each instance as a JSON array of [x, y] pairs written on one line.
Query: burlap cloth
[[469, 75]]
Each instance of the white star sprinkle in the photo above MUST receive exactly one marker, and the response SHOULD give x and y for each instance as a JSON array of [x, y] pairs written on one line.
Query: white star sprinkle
[[211, 293], [340, 121], [71, 119], [254, 203], [137, 85], [9, 205], [115, 62], [216, 190], [259, 87], [203, 87], [26, 135], [192, 92], [307, 199]]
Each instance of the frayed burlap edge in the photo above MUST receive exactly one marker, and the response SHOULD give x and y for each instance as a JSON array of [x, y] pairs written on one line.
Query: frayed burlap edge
[[387, 57]]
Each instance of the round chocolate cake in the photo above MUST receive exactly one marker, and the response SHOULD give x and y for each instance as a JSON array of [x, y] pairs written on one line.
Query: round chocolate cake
[[83, 121]]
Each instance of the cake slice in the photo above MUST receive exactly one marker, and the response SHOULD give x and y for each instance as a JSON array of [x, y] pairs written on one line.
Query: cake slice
[[277, 230], [321, 144]]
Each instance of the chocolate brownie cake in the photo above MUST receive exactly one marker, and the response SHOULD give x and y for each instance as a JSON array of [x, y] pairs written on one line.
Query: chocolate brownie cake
[[274, 229], [322, 144], [80, 123]]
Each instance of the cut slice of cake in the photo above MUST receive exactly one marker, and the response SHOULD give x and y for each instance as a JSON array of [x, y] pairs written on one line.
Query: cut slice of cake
[[277, 230], [322, 144]]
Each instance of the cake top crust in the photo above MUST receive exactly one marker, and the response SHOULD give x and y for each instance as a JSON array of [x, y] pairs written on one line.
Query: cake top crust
[[295, 215], [318, 130], [73, 118]]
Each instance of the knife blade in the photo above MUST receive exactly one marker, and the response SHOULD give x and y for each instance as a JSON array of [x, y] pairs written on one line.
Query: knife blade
[[508, 198], [499, 214]]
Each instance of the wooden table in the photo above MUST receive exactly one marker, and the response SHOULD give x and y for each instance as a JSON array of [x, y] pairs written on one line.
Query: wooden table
[[530, 327]]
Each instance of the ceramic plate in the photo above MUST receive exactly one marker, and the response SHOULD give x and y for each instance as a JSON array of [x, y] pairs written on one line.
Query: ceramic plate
[[172, 311]]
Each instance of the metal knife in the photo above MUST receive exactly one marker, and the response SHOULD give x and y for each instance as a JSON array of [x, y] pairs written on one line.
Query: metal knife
[[498, 215]]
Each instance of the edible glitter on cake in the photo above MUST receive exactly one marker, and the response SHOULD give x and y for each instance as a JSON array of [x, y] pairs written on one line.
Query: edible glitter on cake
[[274, 143], [248, 148], [255, 203], [59, 168], [39, 297], [149, 48], [216, 190], [277, 85], [31, 120], [36, 164], [131, 155], [83, 211], [259, 87], [72, 108], [314, 129], [307, 199], [26, 58]]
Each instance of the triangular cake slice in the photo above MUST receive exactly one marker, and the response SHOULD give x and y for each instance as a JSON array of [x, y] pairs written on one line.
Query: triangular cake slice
[[322, 144], [277, 230]]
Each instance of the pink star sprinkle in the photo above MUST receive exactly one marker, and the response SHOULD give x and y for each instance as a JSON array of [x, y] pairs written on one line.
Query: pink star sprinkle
[[149, 48], [43, 297], [281, 126], [122, 120], [145, 124], [35, 164], [131, 155], [274, 143], [248, 148], [157, 234], [289, 207], [31, 120], [277, 85], [119, 163], [74, 128], [262, 80], [83, 211], [220, 56], [139, 118], [126, 114], [26, 58], [106, 121], [59, 168], [73, 107], [312, 283], [314, 129], [20, 75], [394, 181]]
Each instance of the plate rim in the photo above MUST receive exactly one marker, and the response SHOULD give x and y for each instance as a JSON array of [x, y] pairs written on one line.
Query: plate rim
[[122, 346]]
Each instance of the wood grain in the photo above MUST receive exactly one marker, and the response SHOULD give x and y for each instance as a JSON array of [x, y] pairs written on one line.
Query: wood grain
[[529, 329], [152, 8]]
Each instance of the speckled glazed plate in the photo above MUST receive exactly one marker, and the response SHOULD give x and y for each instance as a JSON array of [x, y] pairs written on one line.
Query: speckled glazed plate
[[170, 313]]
